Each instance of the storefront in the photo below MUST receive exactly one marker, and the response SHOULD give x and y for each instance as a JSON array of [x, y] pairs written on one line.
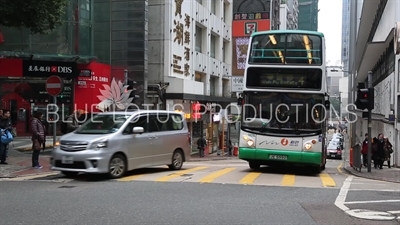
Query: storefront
[[203, 116], [22, 86]]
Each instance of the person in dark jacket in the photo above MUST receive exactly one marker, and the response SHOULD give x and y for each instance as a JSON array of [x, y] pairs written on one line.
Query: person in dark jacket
[[380, 152], [388, 150], [38, 138], [5, 124], [201, 144]]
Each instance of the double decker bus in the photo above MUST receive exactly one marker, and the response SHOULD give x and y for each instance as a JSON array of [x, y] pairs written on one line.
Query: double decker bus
[[284, 100]]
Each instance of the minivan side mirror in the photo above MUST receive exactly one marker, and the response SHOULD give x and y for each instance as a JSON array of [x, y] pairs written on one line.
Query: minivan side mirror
[[138, 130]]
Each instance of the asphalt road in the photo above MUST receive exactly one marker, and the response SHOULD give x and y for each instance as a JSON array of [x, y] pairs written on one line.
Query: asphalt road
[[168, 203]]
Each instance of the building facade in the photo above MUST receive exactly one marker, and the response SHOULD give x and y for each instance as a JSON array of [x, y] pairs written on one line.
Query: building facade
[[289, 13], [374, 51], [308, 15], [345, 35]]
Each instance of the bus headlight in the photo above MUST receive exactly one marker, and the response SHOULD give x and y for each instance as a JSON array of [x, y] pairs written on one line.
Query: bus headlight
[[250, 143], [307, 146]]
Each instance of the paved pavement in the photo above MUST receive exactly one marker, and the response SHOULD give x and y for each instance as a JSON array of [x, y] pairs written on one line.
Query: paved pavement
[[385, 174], [175, 203], [231, 171]]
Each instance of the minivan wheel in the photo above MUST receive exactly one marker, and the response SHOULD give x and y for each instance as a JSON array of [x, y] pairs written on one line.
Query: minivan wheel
[[117, 166], [177, 160], [69, 174]]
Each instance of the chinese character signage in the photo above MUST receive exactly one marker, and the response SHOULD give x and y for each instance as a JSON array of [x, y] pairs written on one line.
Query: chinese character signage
[[244, 24], [181, 51], [241, 46], [237, 84], [36, 68], [251, 16]]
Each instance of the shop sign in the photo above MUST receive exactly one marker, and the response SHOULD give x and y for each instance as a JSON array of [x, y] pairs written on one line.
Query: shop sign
[[36, 68]]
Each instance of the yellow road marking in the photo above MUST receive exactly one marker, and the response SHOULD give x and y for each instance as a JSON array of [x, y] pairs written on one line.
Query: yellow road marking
[[131, 178], [288, 180], [180, 173], [327, 180], [339, 169], [210, 178], [250, 178]]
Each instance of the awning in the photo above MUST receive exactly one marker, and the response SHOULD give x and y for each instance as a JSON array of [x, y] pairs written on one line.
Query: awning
[[371, 55], [211, 99], [79, 59]]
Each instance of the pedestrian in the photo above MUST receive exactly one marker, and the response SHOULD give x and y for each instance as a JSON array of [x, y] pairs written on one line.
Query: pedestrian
[[38, 138], [379, 151], [388, 150], [230, 148], [364, 151], [201, 144], [6, 129]]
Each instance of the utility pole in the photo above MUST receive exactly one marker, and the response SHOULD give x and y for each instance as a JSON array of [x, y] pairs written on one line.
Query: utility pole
[[370, 89]]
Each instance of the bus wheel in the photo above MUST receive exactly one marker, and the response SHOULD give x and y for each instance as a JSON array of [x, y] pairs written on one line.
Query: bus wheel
[[317, 169], [323, 167], [254, 165]]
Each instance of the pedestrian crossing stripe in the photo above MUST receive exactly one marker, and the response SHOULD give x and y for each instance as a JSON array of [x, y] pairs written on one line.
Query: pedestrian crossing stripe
[[248, 179]]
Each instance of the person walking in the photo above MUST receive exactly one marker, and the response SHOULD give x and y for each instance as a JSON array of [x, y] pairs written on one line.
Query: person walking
[[388, 150], [364, 151], [201, 144], [379, 152], [5, 129], [38, 138]]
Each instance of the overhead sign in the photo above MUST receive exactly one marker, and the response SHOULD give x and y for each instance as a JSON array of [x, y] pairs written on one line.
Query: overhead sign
[[54, 85], [251, 16], [237, 83], [39, 68], [250, 27]]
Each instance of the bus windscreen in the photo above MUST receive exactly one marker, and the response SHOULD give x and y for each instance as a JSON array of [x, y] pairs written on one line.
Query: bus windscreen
[[290, 49], [291, 78]]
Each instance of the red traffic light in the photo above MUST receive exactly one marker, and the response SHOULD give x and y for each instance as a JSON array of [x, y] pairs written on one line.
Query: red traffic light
[[365, 95]]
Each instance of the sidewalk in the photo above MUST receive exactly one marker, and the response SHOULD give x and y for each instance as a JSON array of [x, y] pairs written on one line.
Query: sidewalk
[[385, 174], [211, 157]]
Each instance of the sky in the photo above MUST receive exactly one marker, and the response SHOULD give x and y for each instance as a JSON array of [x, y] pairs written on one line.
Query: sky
[[330, 23]]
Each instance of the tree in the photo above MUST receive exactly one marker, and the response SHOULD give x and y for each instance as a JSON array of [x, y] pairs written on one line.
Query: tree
[[39, 16]]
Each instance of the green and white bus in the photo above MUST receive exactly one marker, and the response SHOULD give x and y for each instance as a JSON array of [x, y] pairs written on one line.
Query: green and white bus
[[284, 100]]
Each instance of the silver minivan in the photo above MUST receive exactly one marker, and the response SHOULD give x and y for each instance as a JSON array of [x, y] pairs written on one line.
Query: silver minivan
[[115, 142]]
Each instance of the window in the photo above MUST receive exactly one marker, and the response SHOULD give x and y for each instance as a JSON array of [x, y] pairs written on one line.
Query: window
[[168, 122], [199, 38], [212, 46], [136, 122], [213, 6], [103, 124], [213, 86], [224, 51], [197, 77], [226, 12]]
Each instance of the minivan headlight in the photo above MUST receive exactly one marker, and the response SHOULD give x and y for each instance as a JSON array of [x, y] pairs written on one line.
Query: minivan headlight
[[99, 144]]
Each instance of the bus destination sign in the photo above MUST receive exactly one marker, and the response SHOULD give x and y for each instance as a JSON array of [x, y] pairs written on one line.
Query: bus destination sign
[[302, 81]]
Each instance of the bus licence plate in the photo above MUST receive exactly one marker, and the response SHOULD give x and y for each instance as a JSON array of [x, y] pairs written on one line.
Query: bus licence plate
[[278, 157]]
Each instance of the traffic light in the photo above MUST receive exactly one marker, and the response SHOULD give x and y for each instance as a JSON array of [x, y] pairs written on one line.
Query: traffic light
[[131, 86], [365, 99]]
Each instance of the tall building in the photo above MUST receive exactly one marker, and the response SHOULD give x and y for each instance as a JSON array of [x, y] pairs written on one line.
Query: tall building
[[345, 35], [177, 51], [308, 15], [373, 49], [289, 13]]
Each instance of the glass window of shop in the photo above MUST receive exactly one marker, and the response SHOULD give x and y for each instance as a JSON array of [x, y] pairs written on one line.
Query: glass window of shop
[[25, 95], [74, 36]]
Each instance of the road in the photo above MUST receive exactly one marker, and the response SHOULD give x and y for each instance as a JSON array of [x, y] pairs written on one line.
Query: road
[[222, 172], [211, 192]]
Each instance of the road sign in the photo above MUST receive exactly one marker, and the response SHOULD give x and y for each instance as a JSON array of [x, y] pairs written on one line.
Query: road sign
[[54, 85], [237, 83]]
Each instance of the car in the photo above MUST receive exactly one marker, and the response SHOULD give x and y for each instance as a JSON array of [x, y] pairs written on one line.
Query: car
[[334, 151], [116, 142]]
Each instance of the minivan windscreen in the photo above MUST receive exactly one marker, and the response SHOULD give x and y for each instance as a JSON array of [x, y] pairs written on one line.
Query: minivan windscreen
[[102, 124]]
